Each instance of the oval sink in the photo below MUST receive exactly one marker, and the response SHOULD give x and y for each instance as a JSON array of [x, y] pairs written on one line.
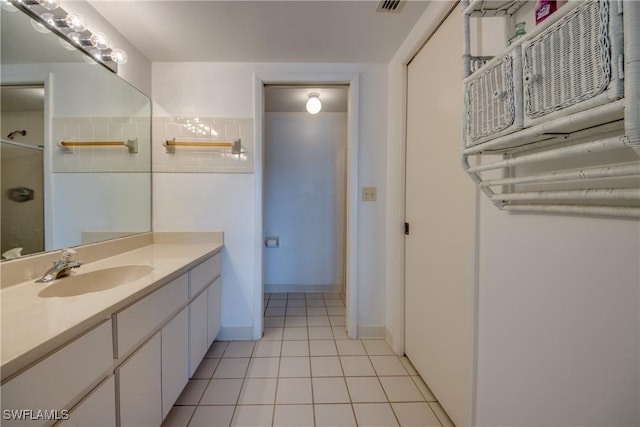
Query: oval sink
[[94, 281]]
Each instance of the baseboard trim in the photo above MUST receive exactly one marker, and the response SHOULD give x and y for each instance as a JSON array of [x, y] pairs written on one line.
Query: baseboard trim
[[235, 333], [365, 332], [276, 289]]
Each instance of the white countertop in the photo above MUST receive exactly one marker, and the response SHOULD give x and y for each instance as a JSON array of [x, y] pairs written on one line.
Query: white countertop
[[33, 326]]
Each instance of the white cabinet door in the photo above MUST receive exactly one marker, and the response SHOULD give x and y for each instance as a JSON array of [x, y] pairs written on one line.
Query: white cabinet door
[[175, 359], [140, 392], [440, 203], [98, 409], [214, 314], [197, 331]]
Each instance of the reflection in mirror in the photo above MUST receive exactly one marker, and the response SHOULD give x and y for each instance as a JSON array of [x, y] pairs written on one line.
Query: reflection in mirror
[[95, 188]]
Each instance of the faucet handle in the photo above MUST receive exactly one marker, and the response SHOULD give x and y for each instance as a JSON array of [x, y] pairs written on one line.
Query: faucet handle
[[68, 255]]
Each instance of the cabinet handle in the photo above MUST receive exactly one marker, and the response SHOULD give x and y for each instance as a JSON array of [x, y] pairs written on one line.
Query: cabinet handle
[[499, 94], [531, 77]]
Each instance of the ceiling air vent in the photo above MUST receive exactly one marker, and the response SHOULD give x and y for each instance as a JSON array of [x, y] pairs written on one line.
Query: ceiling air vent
[[390, 6]]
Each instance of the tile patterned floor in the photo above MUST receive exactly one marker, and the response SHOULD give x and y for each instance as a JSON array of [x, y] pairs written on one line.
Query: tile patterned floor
[[305, 372]]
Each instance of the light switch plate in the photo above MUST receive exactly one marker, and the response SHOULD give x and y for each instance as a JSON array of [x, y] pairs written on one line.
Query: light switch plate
[[369, 194]]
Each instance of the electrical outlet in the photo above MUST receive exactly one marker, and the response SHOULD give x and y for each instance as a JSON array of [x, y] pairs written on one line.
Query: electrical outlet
[[369, 194]]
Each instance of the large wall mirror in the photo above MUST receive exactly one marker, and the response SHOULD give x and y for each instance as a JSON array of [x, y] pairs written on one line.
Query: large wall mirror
[[75, 155]]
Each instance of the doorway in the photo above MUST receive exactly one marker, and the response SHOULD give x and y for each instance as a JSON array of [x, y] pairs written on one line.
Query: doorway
[[22, 134], [350, 273], [304, 189]]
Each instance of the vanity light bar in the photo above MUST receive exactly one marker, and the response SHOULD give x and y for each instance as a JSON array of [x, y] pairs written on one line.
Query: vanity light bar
[[131, 144], [235, 145], [71, 28]]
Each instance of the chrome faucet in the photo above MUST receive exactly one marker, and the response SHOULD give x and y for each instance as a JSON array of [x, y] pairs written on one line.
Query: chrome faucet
[[62, 267]]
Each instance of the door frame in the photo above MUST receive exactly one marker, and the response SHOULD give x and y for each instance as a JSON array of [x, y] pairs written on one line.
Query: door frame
[[351, 251]]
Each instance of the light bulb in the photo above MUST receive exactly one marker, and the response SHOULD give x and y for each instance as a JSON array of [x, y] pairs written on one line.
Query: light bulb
[[119, 56], [313, 103], [75, 21], [49, 19], [74, 37], [100, 41], [49, 4]]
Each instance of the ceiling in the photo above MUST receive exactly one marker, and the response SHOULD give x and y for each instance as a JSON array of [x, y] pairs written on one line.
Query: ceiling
[[262, 31]]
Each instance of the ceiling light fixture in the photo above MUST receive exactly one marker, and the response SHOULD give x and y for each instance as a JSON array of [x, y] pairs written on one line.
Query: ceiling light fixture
[[71, 27], [313, 103]]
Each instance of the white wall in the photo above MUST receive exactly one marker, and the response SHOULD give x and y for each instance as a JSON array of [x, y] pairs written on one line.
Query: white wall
[[226, 201], [558, 305], [304, 200]]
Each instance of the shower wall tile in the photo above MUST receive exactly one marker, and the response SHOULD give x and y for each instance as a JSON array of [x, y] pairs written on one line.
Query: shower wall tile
[[101, 159], [202, 159]]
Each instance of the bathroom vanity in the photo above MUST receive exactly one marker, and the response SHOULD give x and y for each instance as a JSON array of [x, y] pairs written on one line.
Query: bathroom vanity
[[120, 352]]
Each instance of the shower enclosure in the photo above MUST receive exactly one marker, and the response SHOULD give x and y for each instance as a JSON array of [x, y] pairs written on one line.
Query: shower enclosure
[[21, 171]]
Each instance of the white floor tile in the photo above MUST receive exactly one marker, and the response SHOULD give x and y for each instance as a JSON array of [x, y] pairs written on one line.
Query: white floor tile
[[296, 295], [263, 367], [322, 348], [278, 295], [401, 389], [326, 367], [296, 311], [365, 390], [272, 334], [329, 390], [277, 303], [314, 295], [192, 392], [258, 391], [179, 416], [293, 416], [333, 302], [388, 365], [320, 333], [296, 303], [274, 322], [295, 348], [334, 416], [318, 320], [253, 416], [291, 367], [295, 321], [239, 349], [295, 334], [217, 349], [316, 303], [294, 391], [415, 415], [338, 320], [275, 311], [339, 332], [231, 368], [357, 366], [375, 415], [205, 369], [441, 414], [267, 348], [350, 348], [212, 416], [316, 311], [377, 348], [336, 311], [222, 392]]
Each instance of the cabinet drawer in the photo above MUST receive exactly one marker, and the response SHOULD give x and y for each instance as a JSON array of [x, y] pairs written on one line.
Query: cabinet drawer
[[493, 100], [573, 64], [140, 319], [96, 410], [55, 381], [203, 274]]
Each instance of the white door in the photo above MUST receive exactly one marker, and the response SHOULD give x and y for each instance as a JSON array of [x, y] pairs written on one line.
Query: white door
[[440, 200]]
